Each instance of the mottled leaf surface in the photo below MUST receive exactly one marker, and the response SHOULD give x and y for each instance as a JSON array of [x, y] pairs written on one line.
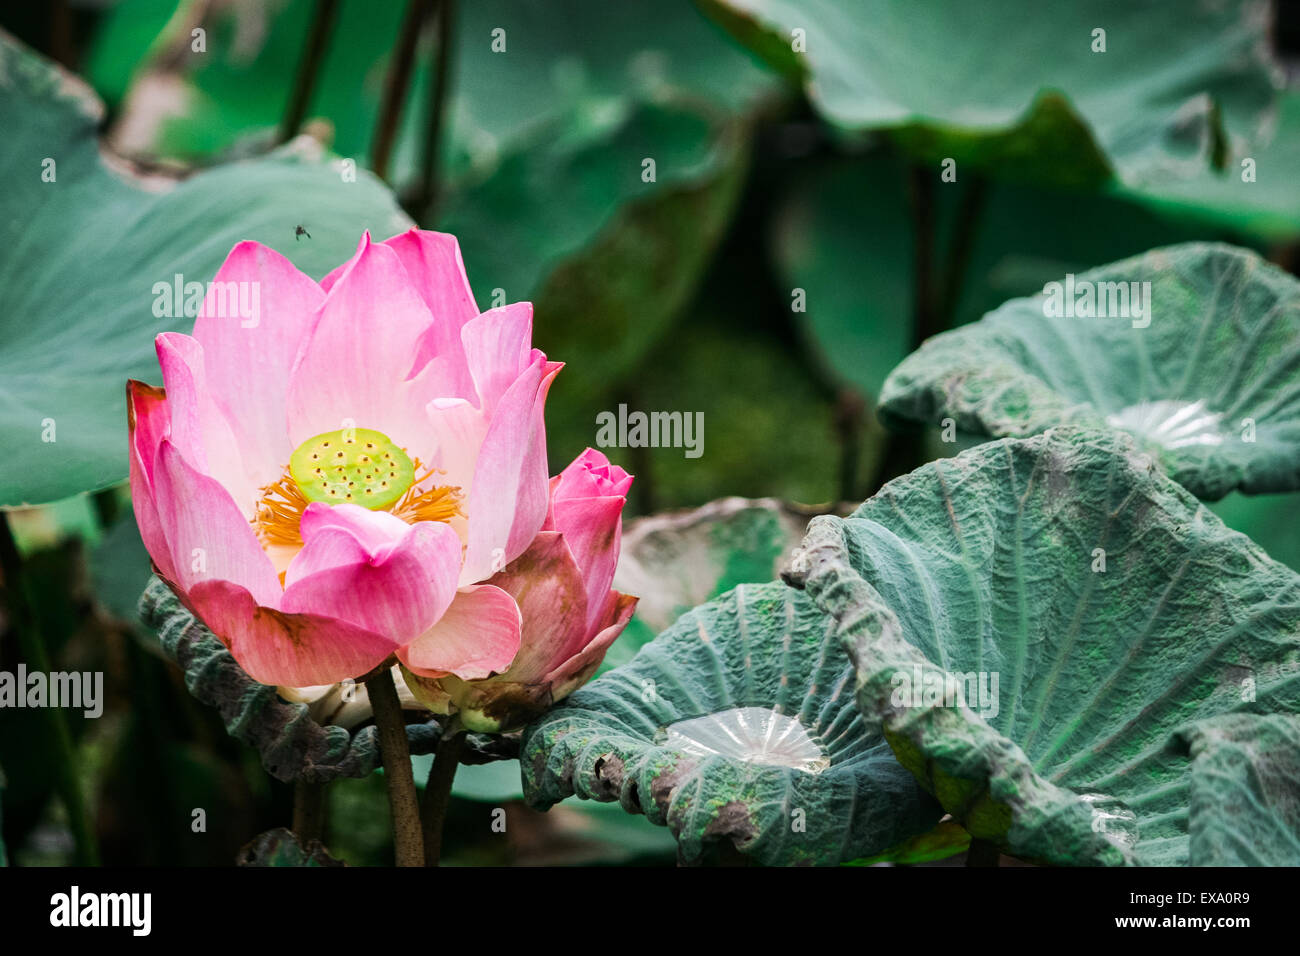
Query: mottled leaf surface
[[1208, 378], [984, 564], [84, 251], [1245, 793], [741, 670]]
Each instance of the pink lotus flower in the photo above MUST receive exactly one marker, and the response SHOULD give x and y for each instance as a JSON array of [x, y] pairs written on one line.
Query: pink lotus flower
[[571, 615], [332, 483]]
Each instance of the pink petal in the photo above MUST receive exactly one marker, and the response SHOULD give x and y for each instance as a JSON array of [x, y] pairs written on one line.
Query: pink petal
[[339, 271], [591, 475], [547, 585], [509, 496], [280, 649], [457, 429], [578, 669], [498, 347], [353, 369], [149, 424], [199, 428], [208, 536], [249, 365], [373, 570], [477, 637], [434, 264], [592, 528]]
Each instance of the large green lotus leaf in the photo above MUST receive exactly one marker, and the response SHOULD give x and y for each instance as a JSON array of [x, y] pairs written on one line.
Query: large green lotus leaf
[[1245, 800], [1208, 377], [1017, 88], [1259, 200], [675, 561], [735, 728], [85, 251], [842, 235], [1112, 608]]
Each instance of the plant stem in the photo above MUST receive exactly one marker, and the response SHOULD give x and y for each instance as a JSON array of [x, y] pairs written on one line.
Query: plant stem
[[437, 792], [395, 86], [309, 68], [108, 507], [61, 45], [408, 841], [969, 213], [903, 452], [850, 416], [31, 645], [924, 319], [428, 189], [308, 811]]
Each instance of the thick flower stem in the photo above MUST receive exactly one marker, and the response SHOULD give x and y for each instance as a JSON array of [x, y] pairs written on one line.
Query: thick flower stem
[[437, 793], [408, 841], [309, 811]]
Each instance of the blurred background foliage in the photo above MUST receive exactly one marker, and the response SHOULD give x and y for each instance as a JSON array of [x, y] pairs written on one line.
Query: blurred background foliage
[[795, 242]]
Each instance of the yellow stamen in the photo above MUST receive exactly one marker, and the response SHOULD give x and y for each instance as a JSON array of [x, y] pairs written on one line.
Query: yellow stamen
[[279, 512], [282, 503], [439, 503]]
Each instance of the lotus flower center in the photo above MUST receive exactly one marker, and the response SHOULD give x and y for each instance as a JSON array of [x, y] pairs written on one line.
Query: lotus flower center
[[356, 466], [352, 466]]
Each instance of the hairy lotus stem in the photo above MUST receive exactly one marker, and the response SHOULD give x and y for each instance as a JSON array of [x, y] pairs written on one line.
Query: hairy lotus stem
[[308, 811], [408, 840], [437, 793]]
